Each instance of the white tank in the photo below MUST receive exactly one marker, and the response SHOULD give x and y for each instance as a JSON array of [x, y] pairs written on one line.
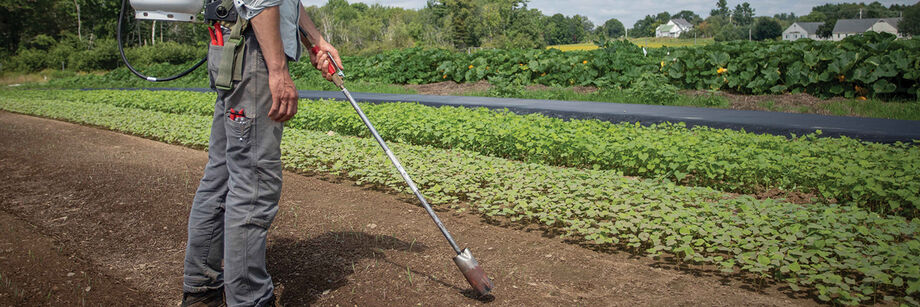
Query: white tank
[[171, 10]]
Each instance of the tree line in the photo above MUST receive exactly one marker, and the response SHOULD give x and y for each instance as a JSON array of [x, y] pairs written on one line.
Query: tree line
[[37, 26]]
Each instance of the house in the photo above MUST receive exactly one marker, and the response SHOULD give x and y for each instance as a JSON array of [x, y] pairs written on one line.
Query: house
[[850, 27], [673, 28], [802, 30]]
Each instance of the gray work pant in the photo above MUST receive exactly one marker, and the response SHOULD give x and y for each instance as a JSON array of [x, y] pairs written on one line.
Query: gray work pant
[[237, 198]]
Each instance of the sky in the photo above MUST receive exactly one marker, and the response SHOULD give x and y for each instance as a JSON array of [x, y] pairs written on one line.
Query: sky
[[599, 11]]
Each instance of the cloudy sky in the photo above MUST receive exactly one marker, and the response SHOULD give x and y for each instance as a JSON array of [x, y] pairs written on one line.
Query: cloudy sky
[[630, 11]]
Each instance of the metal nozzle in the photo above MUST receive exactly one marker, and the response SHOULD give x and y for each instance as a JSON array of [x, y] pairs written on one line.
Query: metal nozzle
[[473, 272]]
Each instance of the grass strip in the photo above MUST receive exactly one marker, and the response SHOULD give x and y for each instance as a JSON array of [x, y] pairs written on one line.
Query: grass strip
[[840, 253], [883, 178]]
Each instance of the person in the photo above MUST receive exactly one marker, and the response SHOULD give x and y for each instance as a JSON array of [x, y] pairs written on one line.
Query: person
[[237, 198]]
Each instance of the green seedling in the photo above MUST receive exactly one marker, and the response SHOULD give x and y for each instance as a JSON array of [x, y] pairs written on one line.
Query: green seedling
[[409, 274]]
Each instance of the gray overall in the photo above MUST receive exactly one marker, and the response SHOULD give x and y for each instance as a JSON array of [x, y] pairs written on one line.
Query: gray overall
[[237, 198]]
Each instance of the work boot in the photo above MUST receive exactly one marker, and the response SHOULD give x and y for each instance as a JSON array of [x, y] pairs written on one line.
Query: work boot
[[276, 296], [212, 298]]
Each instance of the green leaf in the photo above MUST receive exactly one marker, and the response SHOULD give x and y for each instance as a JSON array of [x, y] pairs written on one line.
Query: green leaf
[[763, 260], [882, 86]]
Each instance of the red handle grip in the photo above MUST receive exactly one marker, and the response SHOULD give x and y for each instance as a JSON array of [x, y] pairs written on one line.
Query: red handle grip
[[330, 69]]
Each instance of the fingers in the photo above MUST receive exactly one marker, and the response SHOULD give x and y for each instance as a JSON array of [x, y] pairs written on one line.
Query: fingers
[[285, 106], [338, 60], [290, 111], [322, 64], [326, 73], [321, 61], [276, 106]]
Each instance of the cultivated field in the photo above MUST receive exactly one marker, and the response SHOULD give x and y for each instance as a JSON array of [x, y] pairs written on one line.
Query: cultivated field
[[764, 212]]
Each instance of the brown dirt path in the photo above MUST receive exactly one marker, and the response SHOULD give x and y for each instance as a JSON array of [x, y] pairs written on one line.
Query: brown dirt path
[[116, 205]]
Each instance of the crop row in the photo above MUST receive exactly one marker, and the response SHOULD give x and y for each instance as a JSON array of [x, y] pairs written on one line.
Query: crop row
[[867, 65], [843, 254], [884, 178]]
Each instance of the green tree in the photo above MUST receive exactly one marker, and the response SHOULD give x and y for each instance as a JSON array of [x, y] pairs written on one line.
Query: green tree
[[21, 20], [743, 14], [766, 28], [645, 27], [581, 28], [910, 24], [721, 10], [689, 16], [612, 28], [556, 30]]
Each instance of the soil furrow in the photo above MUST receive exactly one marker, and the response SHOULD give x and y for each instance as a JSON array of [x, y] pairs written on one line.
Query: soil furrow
[[121, 202]]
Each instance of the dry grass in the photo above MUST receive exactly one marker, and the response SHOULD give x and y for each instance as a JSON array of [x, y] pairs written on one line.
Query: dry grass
[[8, 79]]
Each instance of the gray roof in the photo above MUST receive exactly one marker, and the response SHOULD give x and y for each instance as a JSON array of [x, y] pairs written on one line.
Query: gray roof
[[683, 23], [665, 28], [861, 25], [893, 22], [810, 27]]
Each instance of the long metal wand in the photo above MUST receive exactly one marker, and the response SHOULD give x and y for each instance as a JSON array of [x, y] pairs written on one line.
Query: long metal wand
[[468, 265]]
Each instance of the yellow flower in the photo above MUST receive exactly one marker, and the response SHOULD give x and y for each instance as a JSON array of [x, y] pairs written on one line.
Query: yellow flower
[[471, 66], [544, 74], [521, 64], [584, 62], [487, 67], [721, 70], [862, 97], [859, 90], [842, 78], [444, 77], [662, 64]]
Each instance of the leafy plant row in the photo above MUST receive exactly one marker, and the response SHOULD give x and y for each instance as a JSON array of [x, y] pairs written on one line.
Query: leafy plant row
[[843, 254], [883, 178], [869, 65]]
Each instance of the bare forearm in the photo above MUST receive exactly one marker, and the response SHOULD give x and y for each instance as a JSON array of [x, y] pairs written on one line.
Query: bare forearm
[[313, 35], [268, 32]]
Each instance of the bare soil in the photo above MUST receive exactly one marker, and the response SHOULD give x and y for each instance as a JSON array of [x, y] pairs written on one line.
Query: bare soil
[[795, 103], [449, 88], [112, 209], [454, 88]]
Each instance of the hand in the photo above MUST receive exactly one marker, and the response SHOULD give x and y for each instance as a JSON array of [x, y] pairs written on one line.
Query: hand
[[321, 60], [284, 96]]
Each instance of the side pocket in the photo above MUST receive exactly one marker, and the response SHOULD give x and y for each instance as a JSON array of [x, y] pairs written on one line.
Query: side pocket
[[269, 187], [241, 128], [214, 52]]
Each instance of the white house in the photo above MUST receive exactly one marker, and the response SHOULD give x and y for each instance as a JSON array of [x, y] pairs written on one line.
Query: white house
[[850, 27], [673, 28], [802, 30]]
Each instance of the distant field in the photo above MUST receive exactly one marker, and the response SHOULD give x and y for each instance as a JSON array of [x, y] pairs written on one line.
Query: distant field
[[651, 42]]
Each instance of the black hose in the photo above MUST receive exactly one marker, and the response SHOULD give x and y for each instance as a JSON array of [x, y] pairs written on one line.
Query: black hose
[[121, 49]]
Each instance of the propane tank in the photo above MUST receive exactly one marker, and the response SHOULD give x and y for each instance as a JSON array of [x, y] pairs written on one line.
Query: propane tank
[[169, 10]]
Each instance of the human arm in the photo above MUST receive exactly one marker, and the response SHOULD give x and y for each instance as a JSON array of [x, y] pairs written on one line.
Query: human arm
[[314, 38], [266, 26]]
